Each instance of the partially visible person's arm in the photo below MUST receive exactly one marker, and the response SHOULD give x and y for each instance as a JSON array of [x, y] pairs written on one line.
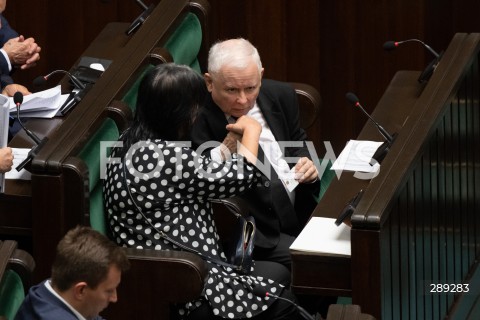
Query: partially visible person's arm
[[10, 90], [250, 130], [22, 52], [6, 159]]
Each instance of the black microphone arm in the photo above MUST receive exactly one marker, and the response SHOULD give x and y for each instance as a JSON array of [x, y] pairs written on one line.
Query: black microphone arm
[[143, 5], [430, 68], [390, 45], [352, 98], [140, 19], [42, 79], [18, 100], [261, 292], [382, 151]]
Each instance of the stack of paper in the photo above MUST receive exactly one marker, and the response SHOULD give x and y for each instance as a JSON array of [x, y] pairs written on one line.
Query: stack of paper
[[43, 104], [323, 236]]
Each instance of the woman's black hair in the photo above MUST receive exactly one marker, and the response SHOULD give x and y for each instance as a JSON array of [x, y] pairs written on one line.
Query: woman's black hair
[[169, 97]]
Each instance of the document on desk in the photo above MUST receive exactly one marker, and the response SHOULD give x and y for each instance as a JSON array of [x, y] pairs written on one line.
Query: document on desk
[[19, 154], [42, 104], [4, 125], [356, 156], [323, 236]]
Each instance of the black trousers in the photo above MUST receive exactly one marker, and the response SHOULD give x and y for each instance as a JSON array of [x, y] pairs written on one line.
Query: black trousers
[[280, 254]]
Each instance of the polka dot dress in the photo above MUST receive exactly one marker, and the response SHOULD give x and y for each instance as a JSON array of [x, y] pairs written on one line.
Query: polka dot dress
[[172, 185]]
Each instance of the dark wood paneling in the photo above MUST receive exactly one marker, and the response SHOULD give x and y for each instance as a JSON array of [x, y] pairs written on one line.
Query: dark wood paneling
[[335, 46], [64, 29]]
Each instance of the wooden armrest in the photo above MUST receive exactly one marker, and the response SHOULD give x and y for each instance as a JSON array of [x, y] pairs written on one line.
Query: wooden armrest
[[235, 205], [309, 101], [23, 264], [7, 248], [154, 273], [159, 55], [120, 113], [155, 281], [20, 261]]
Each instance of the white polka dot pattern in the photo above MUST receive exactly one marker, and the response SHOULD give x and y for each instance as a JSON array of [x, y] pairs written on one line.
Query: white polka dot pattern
[[173, 185]]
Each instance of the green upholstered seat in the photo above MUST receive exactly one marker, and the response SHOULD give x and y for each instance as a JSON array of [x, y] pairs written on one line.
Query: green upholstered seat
[[183, 45], [325, 180], [91, 154], [11, 294]]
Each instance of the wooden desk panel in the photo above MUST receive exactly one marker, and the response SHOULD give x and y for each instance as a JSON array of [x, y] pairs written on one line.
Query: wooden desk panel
[[332, 275], [16, 203]]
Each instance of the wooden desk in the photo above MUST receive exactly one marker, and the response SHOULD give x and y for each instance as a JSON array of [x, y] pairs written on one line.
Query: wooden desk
[[417, 222], [329, 274], [16, 202], [59, 193]]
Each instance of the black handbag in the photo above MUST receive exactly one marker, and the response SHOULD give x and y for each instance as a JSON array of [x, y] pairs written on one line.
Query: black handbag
[[240, 249], [239, 256]]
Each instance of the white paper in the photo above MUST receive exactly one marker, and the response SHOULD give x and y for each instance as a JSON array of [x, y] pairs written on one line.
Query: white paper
[[42, 104], [19, 154], [322, 235], [356, 156], [4, 125]]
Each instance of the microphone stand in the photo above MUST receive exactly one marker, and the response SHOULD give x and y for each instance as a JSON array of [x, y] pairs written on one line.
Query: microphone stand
[[141, 18], [31, 154], [74, 100], [382, 151], [18, 99]]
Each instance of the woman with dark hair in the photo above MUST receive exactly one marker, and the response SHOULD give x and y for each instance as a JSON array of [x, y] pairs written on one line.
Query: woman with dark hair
[[157, 186]]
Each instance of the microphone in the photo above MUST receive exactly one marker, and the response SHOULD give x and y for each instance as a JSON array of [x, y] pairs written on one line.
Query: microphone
[[18, 100], [76, 95], [428, 71], [261, 292], [381, 152], [352, 98], [390, 45], [140, 19], [41, 80], [349, 208]]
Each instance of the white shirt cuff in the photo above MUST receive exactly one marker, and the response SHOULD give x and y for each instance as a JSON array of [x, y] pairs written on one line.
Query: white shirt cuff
[[6, 58]]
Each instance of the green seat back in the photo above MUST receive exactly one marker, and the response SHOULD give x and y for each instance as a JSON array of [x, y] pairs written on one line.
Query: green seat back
[[91, 154], [11, 294], [325, 180], [184, 45], [185, 42]]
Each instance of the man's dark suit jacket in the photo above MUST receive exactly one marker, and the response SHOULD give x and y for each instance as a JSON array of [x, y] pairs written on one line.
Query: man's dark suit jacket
[[41, 304], [6, 33], [269, 204]]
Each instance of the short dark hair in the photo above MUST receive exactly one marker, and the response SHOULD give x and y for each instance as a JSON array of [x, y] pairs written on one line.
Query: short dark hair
[[84, 254]]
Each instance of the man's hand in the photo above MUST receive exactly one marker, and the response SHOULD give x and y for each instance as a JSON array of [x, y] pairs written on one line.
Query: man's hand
[[305, 171], [6, 159], [229, 144], [10, 90], [22, 52]]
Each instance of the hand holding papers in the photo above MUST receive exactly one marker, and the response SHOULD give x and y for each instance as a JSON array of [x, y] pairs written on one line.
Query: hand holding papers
[[43, 104], [323, 236]]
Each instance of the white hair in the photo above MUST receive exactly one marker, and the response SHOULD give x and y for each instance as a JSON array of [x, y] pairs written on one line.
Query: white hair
[[236, 53]]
